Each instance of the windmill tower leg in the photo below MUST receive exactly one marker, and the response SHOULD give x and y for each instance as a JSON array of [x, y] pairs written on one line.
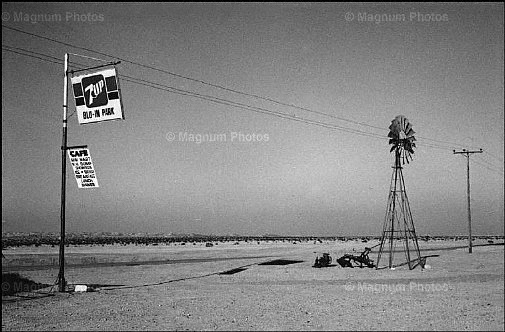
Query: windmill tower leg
[[412, 253], [398, 233], [388, 230]]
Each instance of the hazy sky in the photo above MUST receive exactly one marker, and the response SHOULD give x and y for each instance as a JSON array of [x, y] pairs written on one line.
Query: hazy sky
[[441, 66]]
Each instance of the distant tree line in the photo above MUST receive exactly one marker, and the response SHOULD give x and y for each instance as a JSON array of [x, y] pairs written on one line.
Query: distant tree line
[[78, 239], [52, 240]]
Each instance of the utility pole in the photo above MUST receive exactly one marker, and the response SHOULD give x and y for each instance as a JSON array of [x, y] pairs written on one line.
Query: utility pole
[[61, 273], [64, 148], [467, 153]]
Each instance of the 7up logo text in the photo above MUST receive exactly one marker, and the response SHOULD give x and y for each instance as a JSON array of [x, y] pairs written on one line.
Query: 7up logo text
[[95, 94]]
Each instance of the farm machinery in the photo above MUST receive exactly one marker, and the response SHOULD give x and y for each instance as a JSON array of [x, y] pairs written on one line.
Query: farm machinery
[[362, 260], [348, 260], [322, 260]]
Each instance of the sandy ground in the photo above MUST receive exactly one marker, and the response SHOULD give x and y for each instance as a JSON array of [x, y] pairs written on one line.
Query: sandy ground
[[181, 289]]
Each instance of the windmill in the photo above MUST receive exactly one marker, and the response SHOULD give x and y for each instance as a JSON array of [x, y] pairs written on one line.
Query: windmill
[[398, 224]]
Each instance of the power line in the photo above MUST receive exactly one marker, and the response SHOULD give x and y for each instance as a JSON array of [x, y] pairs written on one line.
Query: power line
[[488, 168], [33, 56], [223, 101], [193, 79], [226, 102], [249, 107], [262, 110], [451, 144], [88, 57], [230, 103], [236, 104], [488, 163]]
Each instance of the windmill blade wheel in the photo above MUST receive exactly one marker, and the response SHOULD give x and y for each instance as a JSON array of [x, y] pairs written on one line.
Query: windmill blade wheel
[[402, 138]]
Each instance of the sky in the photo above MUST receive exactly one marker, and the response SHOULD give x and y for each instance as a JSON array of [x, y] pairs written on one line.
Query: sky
[[349, 70]]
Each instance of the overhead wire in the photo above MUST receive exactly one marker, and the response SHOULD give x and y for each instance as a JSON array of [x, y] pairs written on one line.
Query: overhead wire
[[88, 57], [4, 47], [191, 79], [222, 100], [228, 102], [480, 156], [452, 144], [225, 101], [484, 162], [249, 107], [488, 168]]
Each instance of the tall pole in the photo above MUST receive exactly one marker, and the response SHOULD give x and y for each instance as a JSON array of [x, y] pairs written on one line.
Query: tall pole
[[61, 274], [467, 155], [468, 203]]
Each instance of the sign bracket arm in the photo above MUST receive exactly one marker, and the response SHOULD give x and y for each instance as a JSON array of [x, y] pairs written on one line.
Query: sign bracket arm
[[96, 67]]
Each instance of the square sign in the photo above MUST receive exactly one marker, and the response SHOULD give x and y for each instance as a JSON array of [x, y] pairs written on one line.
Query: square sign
[[83, 167], [97, 96]]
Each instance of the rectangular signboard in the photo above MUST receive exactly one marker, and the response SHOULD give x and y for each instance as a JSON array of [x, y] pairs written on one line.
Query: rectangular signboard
[[97, 96], [83, 167]]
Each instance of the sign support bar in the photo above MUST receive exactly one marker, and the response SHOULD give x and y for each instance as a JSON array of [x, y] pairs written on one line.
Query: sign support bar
[[77, 147], [101, 66]]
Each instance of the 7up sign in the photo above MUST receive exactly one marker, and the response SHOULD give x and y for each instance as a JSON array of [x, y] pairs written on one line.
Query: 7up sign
[[97, 96]]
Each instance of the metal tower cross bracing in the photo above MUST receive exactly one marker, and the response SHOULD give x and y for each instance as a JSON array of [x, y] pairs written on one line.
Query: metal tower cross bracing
[[398, 244], [398, 227]]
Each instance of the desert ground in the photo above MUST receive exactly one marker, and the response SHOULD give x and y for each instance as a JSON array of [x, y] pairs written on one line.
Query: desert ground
[[180, 287]]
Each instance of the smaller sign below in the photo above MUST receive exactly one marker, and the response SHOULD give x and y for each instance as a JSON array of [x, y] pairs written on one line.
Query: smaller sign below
[[83, 167]]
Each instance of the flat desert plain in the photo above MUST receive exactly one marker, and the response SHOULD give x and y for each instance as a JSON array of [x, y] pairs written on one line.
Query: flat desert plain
[[179, 287]]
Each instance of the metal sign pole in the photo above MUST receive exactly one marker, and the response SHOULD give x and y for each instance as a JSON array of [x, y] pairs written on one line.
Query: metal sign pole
[[61, 274]]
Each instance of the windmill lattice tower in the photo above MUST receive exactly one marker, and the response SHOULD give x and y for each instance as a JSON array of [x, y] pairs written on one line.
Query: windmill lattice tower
[[398, 245]]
